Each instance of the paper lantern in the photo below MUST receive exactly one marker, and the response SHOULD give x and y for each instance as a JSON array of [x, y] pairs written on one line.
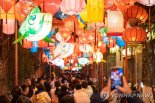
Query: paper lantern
[[97, 56], [26, 44], [137, 13], [122, 6], [23, 8], [50, 6], [72, 7], [8, 26], [109, 5], [58, 62], [42, 44], [63, 50], [7, 5], [83, 61], [95, 10], [84, 47], [147, 2], [103, 48], [36, 26], [115, 23], [134, 35], [120, 42]]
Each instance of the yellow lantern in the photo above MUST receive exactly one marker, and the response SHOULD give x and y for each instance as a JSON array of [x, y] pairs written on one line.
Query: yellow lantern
[[95, 10]]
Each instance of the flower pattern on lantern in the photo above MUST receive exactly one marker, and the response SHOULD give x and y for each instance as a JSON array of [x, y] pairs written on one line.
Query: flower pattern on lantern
[[72, 7], [8, 26], [115, 23]]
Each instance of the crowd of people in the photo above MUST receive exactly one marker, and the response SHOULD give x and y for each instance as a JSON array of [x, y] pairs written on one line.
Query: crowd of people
[[68, 89]]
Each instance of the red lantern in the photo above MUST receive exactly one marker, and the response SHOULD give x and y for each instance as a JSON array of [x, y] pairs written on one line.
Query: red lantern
[[134, 35], [7, 5], [136, 13], [72, 7], [27, 44], [50, 6], [42, 43], [103, 48], [65, 33]]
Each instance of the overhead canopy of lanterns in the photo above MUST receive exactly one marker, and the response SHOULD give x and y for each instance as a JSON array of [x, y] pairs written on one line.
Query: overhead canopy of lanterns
[[74, 29]]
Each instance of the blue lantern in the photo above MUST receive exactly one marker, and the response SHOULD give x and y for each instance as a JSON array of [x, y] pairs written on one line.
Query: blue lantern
[[120, 42]]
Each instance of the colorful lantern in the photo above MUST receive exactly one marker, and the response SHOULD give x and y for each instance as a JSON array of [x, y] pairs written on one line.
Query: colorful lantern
[[63, 50], [36, 26], [120, 42], [134, 35], [95, 10], [26, 44], [50, 6], [23, 8], [115, 23], [147, 2], [72, 7], [136, 13], [8, 26], [34, 47]]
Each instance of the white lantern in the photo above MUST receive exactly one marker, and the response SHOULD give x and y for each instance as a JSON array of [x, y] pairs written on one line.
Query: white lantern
[[97, 56], [115, 23], [147, 2], [63, 50]]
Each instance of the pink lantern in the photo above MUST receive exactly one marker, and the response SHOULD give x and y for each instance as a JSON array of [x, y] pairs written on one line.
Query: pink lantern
[[72, 7], [115, 23], [8, 26], [147, 2]]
